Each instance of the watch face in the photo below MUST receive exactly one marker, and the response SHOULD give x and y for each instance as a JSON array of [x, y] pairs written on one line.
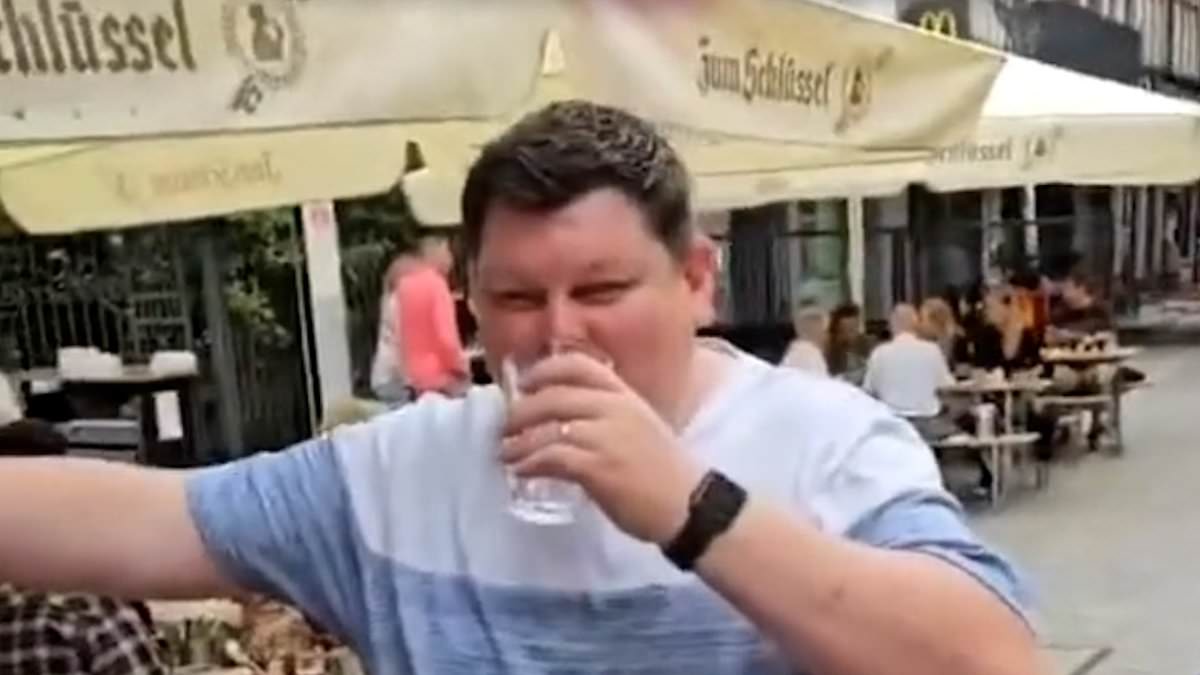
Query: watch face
[[727, 497], [715, 504]]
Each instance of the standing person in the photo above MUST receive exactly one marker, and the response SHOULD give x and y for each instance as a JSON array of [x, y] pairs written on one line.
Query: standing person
[[739, 518], [388, 379], [849, 346], [807, 350], [434, 360]]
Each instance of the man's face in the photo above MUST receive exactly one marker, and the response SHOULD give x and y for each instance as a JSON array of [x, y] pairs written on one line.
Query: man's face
[[849, 327], [1075, 295], [592, 273]]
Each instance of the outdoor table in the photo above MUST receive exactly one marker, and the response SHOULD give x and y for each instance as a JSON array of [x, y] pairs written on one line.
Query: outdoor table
[[1082, 360], [142, 382], [998, 451], [1087, 359], [1007, 389]]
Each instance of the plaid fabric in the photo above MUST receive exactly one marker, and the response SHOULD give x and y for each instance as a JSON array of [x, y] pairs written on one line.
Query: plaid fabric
[[42, 634]]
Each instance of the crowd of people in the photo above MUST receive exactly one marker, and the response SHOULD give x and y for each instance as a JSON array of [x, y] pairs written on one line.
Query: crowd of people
[[998, 330]]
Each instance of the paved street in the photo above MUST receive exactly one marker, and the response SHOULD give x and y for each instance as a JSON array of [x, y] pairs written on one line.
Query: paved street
[[1113, 544]]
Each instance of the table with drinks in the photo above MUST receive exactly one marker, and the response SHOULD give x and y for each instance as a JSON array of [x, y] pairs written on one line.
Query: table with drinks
[[998, 436], [985, 385], [1088, 354]]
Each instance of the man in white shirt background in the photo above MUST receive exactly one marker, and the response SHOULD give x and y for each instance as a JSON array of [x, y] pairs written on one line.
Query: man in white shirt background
[[906, 372], [807, 351]]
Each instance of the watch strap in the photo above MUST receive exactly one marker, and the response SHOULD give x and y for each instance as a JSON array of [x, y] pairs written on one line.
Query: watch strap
[[714, 505]]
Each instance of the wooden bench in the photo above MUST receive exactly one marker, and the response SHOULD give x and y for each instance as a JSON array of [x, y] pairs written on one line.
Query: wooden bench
[[1110, 401], [998, 453]]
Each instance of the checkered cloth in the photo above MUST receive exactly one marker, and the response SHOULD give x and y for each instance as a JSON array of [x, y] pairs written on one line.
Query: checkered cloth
[[43, 634]]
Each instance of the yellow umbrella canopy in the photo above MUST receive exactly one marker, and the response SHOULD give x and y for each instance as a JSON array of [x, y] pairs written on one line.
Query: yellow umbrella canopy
[[765, 98], [159, 180], [1044, 124]]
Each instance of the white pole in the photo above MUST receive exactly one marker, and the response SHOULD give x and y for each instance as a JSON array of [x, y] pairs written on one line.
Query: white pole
[[1141, 232], [327, 300], [1120, 230], [856, 240], [1029, 215]]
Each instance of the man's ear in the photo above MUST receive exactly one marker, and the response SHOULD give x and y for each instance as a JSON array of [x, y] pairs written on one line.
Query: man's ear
[[700, 269], [472, 288]]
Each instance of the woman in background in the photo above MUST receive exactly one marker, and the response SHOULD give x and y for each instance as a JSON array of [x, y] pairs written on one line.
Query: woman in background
[[849, 346], [939, 325], [1004, 341]]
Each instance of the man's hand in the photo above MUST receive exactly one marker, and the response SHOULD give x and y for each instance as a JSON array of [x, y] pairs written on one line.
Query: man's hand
[[580, 422]]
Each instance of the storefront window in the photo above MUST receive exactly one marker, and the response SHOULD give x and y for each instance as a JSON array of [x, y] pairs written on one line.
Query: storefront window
[[816, 249], [948, 229], [779, 255]]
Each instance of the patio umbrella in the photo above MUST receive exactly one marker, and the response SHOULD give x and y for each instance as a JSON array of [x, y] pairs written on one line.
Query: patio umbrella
[[752, 90], [1043, 124]]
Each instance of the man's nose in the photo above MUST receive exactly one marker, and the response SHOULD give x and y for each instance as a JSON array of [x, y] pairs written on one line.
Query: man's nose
[[564, 322]]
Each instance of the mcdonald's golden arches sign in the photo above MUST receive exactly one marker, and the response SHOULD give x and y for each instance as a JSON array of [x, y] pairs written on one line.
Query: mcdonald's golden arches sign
[[939, 21], [946, 18]]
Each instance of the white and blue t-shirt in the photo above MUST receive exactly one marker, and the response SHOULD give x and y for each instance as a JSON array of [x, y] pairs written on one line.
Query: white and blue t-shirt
[[395, 535]]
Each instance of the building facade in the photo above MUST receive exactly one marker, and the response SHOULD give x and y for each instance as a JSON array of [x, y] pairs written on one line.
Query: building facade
[[1137, 241]]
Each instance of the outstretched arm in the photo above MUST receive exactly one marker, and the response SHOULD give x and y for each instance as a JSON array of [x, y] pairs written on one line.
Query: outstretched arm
[[69, 524]]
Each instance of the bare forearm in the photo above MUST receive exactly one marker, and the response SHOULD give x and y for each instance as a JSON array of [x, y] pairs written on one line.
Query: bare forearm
[[840, 608], [101, 527]]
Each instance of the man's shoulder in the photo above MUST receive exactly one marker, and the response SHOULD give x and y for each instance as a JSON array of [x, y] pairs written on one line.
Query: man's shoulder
[[891, 351], [818, 431], [794, 397], [432, 428]]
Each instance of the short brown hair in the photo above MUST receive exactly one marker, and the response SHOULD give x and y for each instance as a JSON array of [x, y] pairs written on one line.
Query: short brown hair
[[567, 149]]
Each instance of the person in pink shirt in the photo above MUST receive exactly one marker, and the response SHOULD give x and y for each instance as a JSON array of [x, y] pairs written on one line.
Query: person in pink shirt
[[433, 354]]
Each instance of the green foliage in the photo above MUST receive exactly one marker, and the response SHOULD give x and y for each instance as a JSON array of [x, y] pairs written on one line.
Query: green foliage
[[264, 246], [263, 249], [373, 230]]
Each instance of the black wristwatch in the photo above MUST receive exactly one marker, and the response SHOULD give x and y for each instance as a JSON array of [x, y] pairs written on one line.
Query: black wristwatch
[[714, 505]]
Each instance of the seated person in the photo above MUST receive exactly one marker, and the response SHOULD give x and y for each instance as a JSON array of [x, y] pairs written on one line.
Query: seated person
[[848, 346], [1078, 313], [1002, 340], [906, 372], [940, 326], [1080, 316], [807, 351]]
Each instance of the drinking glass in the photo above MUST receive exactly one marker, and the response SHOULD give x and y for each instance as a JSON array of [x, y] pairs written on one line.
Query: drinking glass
[[541, 501]]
